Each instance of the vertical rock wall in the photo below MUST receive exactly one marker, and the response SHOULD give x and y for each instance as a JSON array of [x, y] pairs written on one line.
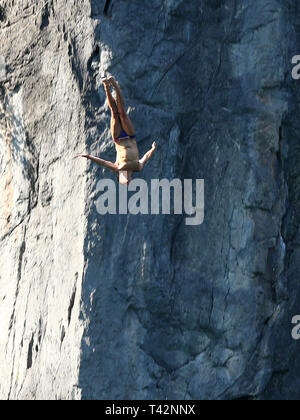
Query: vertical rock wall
[[42, 216]]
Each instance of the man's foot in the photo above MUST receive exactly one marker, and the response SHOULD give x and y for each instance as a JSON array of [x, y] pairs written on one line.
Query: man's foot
[[112, 81]]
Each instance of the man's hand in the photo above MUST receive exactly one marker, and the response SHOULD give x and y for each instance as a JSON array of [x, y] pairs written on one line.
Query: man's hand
[[154, 146], [85, 156]]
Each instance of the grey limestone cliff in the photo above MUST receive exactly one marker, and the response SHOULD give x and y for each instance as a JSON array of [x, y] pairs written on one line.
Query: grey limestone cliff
[[145, 307]]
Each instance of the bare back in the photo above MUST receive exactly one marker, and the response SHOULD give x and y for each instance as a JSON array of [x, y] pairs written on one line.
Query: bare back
[[127, 155]]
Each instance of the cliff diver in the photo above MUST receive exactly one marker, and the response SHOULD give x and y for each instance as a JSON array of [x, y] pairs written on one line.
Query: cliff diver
[[124, 136]]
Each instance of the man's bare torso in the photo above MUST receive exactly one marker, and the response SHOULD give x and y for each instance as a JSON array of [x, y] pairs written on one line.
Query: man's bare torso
[[127, 155]]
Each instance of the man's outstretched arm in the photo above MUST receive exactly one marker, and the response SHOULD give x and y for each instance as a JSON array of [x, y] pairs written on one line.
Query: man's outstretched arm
[[102, 162], [147, 156]]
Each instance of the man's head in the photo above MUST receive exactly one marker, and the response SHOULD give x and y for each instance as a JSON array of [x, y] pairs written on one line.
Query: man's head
[[124, 177]]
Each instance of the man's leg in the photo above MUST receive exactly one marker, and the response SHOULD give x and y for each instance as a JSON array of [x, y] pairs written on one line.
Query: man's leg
[[125, 120], [115, 124]]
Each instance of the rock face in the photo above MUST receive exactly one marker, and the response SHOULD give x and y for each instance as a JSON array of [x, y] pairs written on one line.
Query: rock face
[[145, 307]]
